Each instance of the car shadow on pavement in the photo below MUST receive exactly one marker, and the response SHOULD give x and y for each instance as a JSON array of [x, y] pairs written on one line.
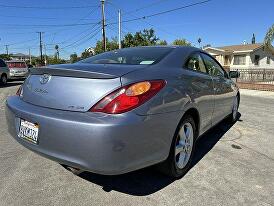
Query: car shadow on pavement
[[147, 181], [11, 84]]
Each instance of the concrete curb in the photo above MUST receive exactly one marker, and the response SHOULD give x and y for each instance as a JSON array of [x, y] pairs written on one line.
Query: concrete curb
[[257, 93]]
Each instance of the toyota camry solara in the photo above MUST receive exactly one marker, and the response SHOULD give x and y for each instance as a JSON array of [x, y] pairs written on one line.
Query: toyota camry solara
[[123, 110]]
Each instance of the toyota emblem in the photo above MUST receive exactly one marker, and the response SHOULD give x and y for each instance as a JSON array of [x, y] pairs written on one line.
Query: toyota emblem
[[45, 78]]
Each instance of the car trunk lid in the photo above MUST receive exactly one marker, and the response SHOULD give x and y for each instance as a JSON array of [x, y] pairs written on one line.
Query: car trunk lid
[[75, 87]]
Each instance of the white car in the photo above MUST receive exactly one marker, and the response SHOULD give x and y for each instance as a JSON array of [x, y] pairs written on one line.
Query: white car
[[17, 69], [4, 72]]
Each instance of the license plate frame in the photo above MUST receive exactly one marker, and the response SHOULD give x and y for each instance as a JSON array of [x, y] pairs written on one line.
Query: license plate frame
[[28, 131]]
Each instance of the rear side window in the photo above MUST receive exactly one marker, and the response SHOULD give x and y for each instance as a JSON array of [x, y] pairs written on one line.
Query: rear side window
[[16, 64], [212, 66], [2, 63], [130, 56], [195, 63]]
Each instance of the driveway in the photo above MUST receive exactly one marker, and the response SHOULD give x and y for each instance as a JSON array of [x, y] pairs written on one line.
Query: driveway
[[234, 165]]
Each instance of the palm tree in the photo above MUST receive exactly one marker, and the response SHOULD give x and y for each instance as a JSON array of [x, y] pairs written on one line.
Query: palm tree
[[57, 51], [199, 41], [269, 37]]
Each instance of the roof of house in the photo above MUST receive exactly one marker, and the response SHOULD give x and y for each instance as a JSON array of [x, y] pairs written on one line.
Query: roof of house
[[18, 55], [242, 47]]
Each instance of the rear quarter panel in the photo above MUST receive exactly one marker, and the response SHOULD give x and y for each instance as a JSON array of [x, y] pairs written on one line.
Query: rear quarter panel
[[185, 89]]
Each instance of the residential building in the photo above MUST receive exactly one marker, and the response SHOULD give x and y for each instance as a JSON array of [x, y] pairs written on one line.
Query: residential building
[[20, 56], [245, 56]]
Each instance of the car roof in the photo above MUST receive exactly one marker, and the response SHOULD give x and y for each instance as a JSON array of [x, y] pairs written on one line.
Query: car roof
[[183, 49]]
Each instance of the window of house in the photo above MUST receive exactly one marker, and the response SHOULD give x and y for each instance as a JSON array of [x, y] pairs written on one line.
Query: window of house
[[195, 63], [257, 59], [268, 60], [239, 59]]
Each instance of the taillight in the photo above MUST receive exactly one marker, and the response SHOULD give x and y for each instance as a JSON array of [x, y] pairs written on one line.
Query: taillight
[[19, 91], [128, 97]]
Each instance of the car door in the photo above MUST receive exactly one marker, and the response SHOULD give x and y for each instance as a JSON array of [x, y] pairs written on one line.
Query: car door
[[223, 90], [201, 91]]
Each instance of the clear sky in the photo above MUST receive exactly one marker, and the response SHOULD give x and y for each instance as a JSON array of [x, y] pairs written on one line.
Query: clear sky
[[218, 22]]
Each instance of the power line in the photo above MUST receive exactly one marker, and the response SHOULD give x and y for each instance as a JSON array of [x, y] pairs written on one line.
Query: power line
[[146, 21], [82, 38], [40, 7], [78, 34], [143, 7], [164, 12], [48, 25], [37, 17], [84, 41], [61, 30]]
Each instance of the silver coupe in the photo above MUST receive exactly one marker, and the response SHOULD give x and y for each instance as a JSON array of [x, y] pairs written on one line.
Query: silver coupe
[[123, 110]]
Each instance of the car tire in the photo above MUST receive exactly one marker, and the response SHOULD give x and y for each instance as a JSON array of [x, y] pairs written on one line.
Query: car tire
[[3, 79], [182, 149], [234, 114]]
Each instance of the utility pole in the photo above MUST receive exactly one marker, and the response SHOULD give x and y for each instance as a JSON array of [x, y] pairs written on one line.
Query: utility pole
[[41, 46], [119, 27], [45, 54], [29, 57], [103, 25], [7, 49]]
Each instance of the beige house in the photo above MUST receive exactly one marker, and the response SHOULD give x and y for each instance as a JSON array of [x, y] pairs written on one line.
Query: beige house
[[245, 56]]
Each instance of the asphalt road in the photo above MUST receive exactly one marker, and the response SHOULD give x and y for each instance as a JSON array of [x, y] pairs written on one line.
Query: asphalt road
[[234, 165]]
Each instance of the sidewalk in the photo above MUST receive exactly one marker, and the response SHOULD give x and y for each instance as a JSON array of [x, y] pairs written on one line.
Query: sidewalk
[[257, 93]]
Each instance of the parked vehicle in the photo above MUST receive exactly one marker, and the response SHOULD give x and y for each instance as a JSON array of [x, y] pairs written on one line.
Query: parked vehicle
[[4, 72], [123, 110], [18, 69]]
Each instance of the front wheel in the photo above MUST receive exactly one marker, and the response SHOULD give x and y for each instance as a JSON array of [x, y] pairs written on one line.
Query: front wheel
[[235, 107], [3, 79], [182, 149]]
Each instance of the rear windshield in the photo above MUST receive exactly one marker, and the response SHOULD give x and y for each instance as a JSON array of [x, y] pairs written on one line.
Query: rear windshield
[[16, 64], [130, 56]]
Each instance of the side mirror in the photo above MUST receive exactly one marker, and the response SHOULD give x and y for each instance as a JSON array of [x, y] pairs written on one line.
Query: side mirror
[[234, 74]]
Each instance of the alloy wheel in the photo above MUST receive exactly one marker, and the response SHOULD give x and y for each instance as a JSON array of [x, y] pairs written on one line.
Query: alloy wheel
[[184, 145]]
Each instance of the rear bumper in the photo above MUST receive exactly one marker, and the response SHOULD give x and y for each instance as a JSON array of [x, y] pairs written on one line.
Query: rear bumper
[[100, 143], [18, 76]]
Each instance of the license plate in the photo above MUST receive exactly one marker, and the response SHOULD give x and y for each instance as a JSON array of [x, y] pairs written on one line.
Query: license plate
[[28, 131]]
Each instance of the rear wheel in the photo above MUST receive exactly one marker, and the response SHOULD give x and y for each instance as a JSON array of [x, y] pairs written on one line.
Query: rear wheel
[[182, 149], [3, 79]]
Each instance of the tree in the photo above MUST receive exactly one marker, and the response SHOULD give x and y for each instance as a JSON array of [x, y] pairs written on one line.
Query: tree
[[6, 57], [162, 42], [110, 44], [85, 54], [269, 37], [74, 58], [55, 60], [146, 37], [199, 41], [181, 42]]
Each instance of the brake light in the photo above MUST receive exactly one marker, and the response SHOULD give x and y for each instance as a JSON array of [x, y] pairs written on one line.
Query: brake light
[[128, 97], [19, 91]]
